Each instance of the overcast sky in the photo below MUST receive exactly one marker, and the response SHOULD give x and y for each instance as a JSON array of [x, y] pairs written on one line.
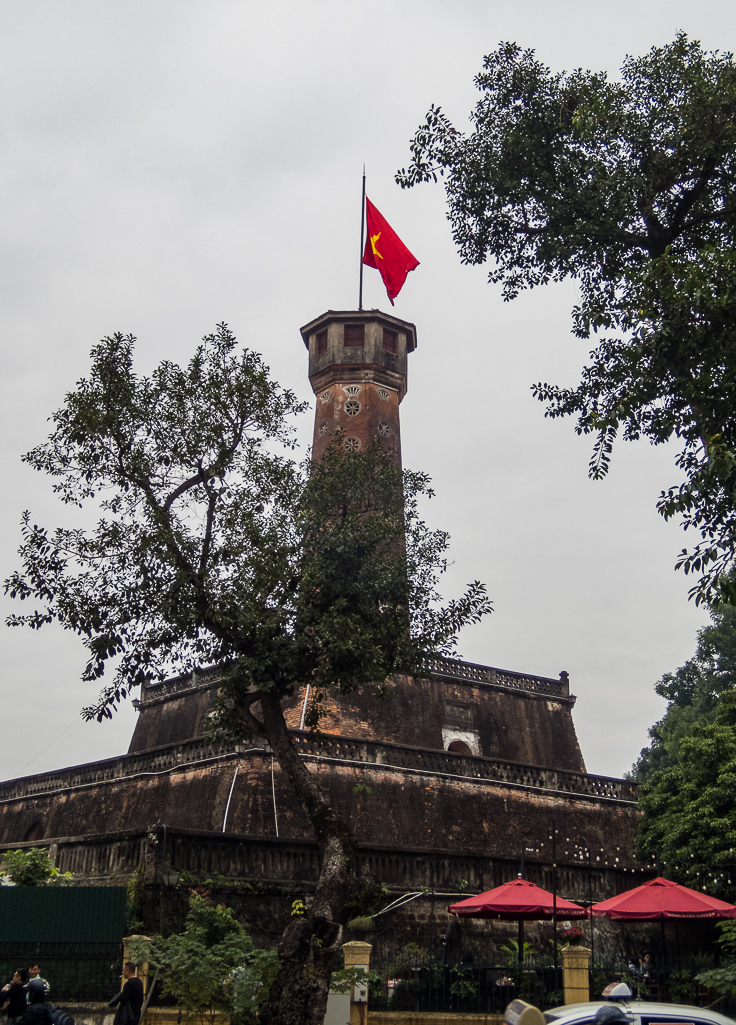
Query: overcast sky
[[169, 164]]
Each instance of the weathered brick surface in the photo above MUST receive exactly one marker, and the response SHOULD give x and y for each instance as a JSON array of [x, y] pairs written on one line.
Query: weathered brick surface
[[358, 388], [438, 814], [511, 723]]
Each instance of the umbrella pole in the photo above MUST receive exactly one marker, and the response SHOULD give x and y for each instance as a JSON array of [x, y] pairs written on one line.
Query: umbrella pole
[[521, 920], [677, 945], [554, 895], [592, 930], [664, 959]]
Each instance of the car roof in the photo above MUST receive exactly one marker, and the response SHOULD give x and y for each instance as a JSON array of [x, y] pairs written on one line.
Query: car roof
[[645, 1008]]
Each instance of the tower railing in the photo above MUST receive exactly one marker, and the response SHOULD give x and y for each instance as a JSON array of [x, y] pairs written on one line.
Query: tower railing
[[458, 670]]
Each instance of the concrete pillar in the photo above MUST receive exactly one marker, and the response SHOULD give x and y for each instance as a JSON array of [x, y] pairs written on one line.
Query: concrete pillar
[[357, 955], [575, 974]]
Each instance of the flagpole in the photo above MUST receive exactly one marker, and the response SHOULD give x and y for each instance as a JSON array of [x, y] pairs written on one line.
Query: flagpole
[[362, 233]]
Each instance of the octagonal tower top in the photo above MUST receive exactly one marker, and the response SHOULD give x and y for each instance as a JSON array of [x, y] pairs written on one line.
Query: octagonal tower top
[[357, 369]]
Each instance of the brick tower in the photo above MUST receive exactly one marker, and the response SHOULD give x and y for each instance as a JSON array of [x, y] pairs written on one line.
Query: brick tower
[[357, 369]]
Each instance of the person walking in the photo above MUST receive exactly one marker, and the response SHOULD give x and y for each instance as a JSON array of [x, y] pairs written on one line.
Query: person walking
[[15, 995], [130, 998]]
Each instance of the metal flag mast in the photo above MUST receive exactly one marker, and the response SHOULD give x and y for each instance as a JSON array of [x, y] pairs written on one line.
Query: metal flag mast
[[362, 233]]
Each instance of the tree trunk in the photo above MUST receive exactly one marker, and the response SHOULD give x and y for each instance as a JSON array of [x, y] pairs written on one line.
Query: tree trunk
[[310, 942]]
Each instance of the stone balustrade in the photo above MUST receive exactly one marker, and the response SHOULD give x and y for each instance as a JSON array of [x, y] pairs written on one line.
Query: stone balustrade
[[327, 747]]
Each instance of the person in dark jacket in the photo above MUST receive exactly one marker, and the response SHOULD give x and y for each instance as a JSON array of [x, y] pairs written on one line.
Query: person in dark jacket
[[37, 1012], [130, 998], [15, 995]]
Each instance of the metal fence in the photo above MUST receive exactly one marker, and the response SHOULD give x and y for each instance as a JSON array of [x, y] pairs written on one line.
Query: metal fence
[[75, 971], [676, 983], [411, 982], [427, 983]]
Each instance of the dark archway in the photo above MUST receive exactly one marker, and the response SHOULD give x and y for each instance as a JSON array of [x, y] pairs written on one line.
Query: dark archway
[[459, 747], [35, 832]]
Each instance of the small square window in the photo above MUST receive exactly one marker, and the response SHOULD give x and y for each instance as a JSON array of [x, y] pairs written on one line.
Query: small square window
[[322, 342], [354, 334], [390, 339], [458, 713]]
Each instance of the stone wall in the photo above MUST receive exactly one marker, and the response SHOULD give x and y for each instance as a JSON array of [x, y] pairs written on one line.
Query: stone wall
[[259, 877], [496, 713], [441, 800]]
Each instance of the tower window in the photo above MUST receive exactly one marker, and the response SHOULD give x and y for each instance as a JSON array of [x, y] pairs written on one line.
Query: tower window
[[351, 445], [322, 342], [384, 429], [383, 395], [352, 407], [458, 713], [354, 334], [323, 429], [390, 338], [325, 397], [351, 389]]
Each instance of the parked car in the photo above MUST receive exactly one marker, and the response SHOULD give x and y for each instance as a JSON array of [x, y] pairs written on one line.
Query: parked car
[[643, 1012]]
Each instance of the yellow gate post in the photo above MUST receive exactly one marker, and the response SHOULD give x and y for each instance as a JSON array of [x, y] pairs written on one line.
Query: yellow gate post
[[358, 955], [575, 974]]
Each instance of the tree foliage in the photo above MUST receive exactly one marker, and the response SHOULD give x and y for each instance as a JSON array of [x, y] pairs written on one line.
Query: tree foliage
[[627, 187], [723, 979], [689, 821], [213, 966], [693, 693], [215, 547], [33, 868]]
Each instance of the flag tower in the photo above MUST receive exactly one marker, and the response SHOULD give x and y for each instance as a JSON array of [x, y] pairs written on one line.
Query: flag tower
[[358, 372]]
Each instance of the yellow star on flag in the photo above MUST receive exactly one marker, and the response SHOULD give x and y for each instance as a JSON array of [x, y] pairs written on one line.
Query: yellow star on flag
[[374, 240]]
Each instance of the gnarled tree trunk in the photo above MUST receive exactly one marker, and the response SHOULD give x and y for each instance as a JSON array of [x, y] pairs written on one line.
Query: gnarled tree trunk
[[307, 949]]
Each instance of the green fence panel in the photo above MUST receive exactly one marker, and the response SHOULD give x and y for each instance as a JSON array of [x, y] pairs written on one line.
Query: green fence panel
[[64, 914]]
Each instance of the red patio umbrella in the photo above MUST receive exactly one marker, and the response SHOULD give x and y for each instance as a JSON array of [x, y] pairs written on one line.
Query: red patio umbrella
[[518, 900], [661, 898]]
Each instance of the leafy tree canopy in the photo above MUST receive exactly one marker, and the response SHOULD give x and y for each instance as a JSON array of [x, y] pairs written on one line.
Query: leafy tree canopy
[[723, 979], [626, 186], [212, 967], [33, 868], [693, 693], [689, 821]]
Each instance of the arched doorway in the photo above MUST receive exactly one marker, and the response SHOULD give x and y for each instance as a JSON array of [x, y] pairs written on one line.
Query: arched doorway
[[459, 747], [34, 832]]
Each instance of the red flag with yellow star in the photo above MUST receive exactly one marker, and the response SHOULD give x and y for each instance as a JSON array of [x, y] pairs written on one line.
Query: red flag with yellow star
[[385, 251]]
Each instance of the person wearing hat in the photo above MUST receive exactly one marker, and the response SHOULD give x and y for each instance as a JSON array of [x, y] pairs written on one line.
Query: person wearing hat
[[37, 1012], [611, 1014], [34, 972], [130, 998]]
